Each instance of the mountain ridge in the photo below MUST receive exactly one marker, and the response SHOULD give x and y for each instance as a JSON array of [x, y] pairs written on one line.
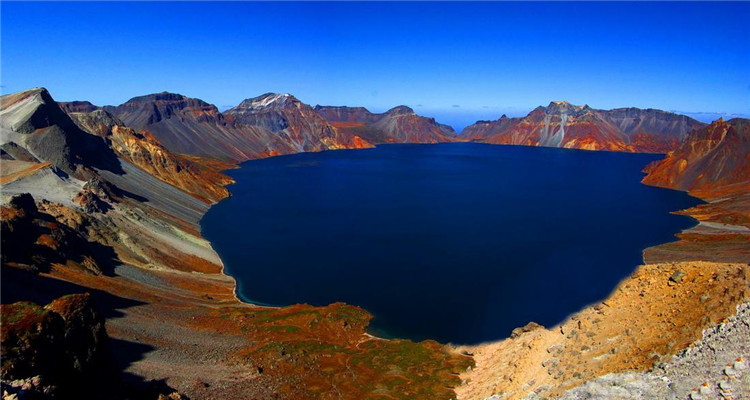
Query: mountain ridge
[[279, 123], [400, 124], [561, 124], [712, 161]]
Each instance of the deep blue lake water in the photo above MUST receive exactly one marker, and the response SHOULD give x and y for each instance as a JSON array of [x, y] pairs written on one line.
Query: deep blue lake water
[[456, 242]]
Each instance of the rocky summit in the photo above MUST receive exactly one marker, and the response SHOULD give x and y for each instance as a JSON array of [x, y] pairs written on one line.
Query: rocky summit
[[397, 125], [561, 124], [294, 123]]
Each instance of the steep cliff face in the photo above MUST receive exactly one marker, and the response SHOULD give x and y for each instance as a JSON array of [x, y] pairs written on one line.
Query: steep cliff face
[[650, 130], [164, 106], [713, 161], [191, 126], [145, 151], [398, 125], [266, 125], [294, 123], [562, 124]]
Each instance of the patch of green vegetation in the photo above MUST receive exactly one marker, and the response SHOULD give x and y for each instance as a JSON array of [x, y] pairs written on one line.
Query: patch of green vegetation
[[281, 328], [267, 316], [410, 370], [304, 347], [349, 313], [17, 312]]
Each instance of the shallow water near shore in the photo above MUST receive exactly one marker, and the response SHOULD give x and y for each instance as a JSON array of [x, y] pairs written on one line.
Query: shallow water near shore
[[457, 242]]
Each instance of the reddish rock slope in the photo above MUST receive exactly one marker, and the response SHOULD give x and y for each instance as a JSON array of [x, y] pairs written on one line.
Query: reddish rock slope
[[713, 161], [562, 124], [294, 122], [191, 126], [397, 125]]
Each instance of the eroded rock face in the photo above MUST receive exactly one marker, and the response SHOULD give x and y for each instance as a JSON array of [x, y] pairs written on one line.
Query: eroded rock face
[[191, 126], [294, 122], [398, 125], [266, 125], [562, 124], [713, 161], [146, 152], [96, 196], [164, 106]]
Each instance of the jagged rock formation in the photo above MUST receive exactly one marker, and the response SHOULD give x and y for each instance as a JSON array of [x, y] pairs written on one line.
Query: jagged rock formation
[[191, 126], [146, 204], [712, 161], [32, 120], [397, 125], [294, 123], [258, 127], [562, 124], [62, 350]]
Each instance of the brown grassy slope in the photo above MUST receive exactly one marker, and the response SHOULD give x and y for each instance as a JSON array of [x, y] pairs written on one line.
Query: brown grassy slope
[[647, 317]]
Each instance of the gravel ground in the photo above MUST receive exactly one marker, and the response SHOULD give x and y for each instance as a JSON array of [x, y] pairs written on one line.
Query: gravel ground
[[716, 367]]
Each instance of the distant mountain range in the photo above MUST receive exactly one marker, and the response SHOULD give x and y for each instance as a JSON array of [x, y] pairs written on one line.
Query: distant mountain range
[[397, 125], [163, 133], [273, 124], [562, 124]]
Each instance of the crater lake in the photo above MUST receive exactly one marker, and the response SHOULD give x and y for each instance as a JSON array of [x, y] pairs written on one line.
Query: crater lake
[[457, 242]]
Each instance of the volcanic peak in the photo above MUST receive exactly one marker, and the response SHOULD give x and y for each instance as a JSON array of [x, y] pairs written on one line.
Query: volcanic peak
[[268, 100], [400, 110]]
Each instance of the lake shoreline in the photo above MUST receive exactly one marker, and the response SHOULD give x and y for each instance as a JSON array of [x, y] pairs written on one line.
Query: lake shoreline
[[235, 206]]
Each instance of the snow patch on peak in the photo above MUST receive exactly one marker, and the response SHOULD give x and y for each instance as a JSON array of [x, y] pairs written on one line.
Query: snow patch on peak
[[268, 100]]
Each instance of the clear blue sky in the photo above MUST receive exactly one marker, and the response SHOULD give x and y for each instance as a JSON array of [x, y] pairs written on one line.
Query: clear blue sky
[[456, 61]]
